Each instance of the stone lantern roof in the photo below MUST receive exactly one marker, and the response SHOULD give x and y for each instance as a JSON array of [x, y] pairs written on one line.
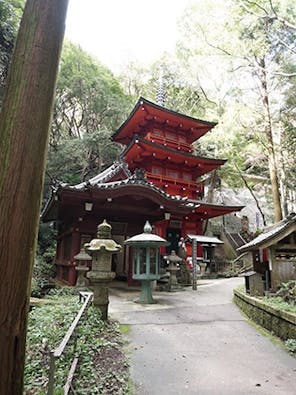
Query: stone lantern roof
[[103, 240], [147, 238]]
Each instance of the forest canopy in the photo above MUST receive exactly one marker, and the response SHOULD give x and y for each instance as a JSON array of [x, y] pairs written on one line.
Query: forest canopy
[[234, 63]]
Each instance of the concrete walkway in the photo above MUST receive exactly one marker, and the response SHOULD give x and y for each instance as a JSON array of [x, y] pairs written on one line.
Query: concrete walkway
[[198, 343]]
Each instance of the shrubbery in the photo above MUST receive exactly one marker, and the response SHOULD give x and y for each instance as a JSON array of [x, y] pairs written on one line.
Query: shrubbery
[[43, 270], [288, 292], [102, 366]]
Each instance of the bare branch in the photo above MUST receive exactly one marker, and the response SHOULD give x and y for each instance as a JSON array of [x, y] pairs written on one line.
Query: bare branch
[[287, 46], [252, 12], [289, 75], [271, 18], [252, 193]]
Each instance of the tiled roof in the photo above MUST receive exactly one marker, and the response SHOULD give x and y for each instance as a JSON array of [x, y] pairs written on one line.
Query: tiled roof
[[270, 233], [138, 180], [170, 150], [162, 112], [105, 175], [205, 239]]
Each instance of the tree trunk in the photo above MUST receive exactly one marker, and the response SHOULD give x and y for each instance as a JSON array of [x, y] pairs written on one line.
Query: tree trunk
[[210, 197], [270, 145], [253, 195], [24, 125]]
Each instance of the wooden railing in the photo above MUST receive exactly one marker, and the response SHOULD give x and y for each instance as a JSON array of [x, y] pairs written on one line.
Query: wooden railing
[[56, 354], [183, 146], [179, 182]]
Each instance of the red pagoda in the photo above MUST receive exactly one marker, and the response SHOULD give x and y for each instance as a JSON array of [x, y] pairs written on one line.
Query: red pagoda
[[157, 178]]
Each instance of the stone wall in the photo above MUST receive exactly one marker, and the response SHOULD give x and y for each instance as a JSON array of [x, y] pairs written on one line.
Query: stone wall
[[278, 322]]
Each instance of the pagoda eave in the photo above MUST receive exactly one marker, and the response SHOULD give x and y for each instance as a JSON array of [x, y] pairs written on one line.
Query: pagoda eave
[[140, 149], [207, 211], [146, 111]]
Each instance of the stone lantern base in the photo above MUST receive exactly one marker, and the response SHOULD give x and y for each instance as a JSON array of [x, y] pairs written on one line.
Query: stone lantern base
[[173, 284], [145, 296], [82, 281], [100, 286]]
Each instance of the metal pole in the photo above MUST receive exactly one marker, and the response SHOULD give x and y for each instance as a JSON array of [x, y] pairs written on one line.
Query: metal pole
[[194, 255]]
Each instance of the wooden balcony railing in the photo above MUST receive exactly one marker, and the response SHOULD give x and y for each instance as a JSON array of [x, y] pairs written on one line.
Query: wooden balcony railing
[[183, 146], [196, 188]]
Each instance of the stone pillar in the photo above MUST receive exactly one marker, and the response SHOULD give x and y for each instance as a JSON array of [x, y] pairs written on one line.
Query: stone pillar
[[101, 250]]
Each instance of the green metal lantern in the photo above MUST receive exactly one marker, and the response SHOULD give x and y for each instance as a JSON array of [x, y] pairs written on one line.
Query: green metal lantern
[[146, 260]]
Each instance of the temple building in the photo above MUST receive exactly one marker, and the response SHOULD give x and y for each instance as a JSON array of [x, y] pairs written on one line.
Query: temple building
[[157, 178]]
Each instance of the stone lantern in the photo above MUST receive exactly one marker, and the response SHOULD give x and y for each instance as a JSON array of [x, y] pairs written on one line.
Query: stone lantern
[[101, 250], [146, 260], [81, 267], [173, 260]]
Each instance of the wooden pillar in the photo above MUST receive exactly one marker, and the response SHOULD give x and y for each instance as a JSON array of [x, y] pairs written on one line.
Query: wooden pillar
[[75, 248], [273, 273], [24, 123]]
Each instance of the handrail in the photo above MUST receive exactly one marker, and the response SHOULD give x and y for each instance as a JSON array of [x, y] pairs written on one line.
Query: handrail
[[180, 144], [175, 181], [229, 235], [242, 239], [58, 351]]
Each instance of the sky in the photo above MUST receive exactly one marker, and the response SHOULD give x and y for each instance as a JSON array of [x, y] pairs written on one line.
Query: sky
[[119, 31]]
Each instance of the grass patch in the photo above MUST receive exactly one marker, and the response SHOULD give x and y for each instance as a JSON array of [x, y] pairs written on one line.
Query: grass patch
[[278, 303], [103, 366], [241, 288], [291, 346], [125, 329]]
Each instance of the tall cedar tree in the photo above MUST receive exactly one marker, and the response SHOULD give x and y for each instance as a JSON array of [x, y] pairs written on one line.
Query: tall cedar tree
[[24, 125]]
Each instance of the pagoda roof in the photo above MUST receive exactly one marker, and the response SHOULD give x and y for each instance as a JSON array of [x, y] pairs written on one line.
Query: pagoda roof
[[140, 149], [146, 112], [136, 185]]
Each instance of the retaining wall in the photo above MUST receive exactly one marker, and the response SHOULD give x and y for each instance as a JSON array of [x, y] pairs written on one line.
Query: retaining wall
[[280, 323]]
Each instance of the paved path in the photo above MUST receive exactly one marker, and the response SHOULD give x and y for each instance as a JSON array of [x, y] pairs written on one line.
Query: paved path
[[198, 343]]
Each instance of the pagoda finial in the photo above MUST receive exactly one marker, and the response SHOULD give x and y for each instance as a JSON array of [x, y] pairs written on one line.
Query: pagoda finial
[[160, 91]]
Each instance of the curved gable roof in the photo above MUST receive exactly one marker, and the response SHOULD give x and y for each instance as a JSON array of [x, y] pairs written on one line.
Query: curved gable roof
[[146, 112]]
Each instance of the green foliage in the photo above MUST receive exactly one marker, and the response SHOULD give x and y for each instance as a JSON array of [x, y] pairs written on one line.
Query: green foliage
[[279, 303], [291, 345], [88, 98], [230, 55], [287, 292], [181, 92], [61, 291], [288, 126], [125, 329], [79, 158], [43, 270], [90, 104], [10, 13], [102, 366], [46, 328]]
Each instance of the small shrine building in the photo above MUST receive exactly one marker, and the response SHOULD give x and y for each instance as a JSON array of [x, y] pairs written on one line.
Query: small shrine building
[[157, 178], [273, 255]]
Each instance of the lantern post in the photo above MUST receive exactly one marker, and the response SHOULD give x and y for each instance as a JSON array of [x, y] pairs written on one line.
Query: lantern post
[[81, 267], [146, 260], [173, 260], [101, 250]]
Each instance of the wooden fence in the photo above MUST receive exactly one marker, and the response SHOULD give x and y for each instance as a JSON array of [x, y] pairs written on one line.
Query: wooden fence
[[56, 354]]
